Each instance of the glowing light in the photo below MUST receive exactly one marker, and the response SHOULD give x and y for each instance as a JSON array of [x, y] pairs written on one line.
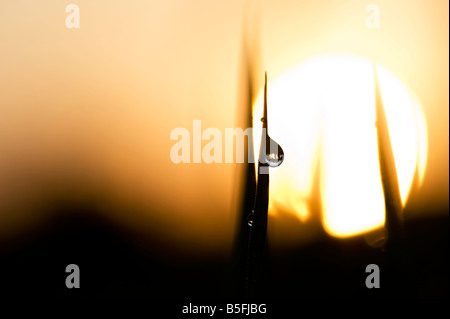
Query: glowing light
[[322, 113]]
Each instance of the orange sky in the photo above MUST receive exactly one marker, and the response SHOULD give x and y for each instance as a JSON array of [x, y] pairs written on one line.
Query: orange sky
[[90, 110]]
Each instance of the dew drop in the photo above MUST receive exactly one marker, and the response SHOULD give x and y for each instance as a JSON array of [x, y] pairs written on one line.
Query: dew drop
[[274, 159], [250, 218]]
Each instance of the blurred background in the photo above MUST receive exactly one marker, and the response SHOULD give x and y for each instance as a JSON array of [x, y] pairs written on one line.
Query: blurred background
[[85, 170]]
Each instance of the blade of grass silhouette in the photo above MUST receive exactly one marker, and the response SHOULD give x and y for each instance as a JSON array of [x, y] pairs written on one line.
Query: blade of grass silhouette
[[270, 154], [388, 171], [249, 85], [273, 153]]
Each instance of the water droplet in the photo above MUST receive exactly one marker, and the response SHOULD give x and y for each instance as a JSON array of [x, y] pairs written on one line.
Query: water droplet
[[250, 218], [274, 158]]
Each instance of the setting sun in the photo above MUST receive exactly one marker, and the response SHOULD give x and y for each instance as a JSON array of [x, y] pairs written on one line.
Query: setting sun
[[322, 112]]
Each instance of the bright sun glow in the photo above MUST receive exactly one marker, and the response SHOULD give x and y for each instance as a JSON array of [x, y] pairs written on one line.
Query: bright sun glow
[[322, 113]]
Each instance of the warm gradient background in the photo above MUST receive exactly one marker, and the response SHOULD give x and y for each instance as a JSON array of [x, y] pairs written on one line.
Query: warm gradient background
[[86, 114]]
